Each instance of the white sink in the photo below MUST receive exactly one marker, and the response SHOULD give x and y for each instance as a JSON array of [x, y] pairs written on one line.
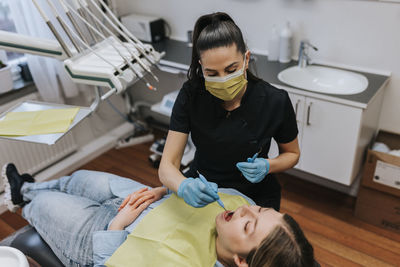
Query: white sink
[[324, 80]]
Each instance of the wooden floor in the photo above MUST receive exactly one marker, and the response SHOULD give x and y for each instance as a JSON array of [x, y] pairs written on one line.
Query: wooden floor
[[326, 216]]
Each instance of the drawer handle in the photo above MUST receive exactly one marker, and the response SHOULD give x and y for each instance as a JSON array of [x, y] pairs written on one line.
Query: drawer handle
[[308, 113], [297, 106]]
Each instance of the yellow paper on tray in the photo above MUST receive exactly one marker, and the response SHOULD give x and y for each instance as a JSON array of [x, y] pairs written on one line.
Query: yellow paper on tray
[[47, 121]]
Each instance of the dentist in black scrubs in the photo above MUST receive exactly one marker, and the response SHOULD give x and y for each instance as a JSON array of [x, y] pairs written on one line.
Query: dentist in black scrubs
[[232, 116]]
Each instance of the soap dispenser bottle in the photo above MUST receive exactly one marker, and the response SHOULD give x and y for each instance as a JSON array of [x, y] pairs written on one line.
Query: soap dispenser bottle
[[285, 51], [273, 45]]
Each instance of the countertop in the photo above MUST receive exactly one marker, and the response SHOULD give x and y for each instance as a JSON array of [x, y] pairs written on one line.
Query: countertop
[[178, 54], [21, 88]]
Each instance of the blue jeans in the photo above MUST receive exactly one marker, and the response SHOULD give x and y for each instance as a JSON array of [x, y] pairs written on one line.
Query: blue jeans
[[66, 212]]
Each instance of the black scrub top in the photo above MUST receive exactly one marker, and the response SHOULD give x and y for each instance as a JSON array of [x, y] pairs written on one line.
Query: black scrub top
[[224, 138]]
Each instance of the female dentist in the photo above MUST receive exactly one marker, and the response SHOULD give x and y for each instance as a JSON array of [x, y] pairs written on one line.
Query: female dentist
[[232, 116]]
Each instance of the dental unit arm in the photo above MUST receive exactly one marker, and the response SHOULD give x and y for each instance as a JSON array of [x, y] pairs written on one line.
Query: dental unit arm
[[110, 62], [99, 58], [27, 44], [85, 67]]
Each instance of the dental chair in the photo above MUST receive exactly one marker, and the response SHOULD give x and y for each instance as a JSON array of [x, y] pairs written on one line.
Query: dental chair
[[31, 244]]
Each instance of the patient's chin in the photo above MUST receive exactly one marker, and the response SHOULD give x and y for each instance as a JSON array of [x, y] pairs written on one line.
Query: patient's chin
[[219, 219]]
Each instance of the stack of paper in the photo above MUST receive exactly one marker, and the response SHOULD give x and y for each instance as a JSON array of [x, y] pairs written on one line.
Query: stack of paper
[[37, 122]]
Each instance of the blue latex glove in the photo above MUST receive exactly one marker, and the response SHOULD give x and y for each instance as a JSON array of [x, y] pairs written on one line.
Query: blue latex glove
[[254, 170], [196, 193]]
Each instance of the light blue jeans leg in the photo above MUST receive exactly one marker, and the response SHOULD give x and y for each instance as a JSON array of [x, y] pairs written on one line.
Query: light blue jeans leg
[[67, 211], [67, 223], [90, 184]]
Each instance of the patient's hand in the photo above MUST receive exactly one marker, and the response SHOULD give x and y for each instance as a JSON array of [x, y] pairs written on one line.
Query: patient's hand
[[134, 204], [143, 195], [127, 215]]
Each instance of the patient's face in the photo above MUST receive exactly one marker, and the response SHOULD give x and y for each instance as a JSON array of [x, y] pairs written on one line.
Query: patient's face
[[245, 228]]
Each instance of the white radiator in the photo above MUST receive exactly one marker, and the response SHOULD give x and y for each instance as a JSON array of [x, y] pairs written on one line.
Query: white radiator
[[31, 157]]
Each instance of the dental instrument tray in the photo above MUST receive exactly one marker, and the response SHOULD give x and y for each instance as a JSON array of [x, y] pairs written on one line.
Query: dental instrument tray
[[49, 139]]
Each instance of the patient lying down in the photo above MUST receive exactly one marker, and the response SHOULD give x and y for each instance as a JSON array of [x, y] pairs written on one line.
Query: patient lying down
[[95, 219]]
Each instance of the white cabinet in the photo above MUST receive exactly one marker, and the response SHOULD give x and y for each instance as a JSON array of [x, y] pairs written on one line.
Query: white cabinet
[[329, 141], [332, 137]]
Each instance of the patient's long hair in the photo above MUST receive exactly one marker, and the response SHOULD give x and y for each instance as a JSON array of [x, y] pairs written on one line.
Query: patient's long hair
[[285, 246]]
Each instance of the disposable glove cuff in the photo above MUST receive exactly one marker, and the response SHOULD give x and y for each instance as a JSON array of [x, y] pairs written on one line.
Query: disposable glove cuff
[[267, 165], [182, 186]]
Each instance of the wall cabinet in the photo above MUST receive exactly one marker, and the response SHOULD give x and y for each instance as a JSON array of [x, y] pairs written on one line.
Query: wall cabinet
[[332, 137]]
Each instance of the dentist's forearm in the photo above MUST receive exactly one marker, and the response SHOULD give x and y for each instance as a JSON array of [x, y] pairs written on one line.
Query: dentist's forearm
[[170, 176], [283, 162]]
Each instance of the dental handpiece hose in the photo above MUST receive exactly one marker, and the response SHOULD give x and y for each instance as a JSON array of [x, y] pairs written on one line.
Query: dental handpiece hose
[[219, 201]]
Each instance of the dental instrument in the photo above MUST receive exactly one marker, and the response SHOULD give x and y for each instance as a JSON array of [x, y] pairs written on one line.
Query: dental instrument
[[53, 30], [64, 26], [204, 180], [73, 22], [255, 169], [124, 75], [127, 39], [139, 45], [79, 9], [132, 51], [142, 78], [87, 8], [110, 41], [251, 160]]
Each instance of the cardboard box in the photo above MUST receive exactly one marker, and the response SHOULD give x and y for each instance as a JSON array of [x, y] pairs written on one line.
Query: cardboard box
[[382, 170], [378, 208], [378, 200]]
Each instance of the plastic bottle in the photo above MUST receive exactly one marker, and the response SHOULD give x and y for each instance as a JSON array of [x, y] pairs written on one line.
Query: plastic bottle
[[273, 45], [285, 51]]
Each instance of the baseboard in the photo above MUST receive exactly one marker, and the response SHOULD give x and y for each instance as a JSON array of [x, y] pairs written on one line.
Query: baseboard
[[81, 156], [351, 190]]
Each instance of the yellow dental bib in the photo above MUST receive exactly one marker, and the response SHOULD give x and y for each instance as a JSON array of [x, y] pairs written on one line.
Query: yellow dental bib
[[174, 234]]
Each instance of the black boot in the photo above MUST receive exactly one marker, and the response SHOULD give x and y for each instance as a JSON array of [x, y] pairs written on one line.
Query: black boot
[[13, 182], [28, 178]]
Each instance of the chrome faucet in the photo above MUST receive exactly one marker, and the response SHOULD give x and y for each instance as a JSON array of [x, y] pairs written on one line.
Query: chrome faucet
[[304, 59]]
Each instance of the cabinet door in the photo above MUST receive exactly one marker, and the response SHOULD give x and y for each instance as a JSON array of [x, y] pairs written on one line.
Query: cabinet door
[[329, 141], [298, 103]]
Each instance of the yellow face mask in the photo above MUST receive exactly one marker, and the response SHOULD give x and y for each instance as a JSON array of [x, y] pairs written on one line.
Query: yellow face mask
[[227, 87]]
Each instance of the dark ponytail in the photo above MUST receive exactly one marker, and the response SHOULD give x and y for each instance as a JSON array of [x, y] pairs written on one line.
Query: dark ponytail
[[213, 31]]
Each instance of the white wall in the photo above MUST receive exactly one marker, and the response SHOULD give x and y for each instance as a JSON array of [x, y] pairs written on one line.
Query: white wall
[[356, 33], [102, 121]]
